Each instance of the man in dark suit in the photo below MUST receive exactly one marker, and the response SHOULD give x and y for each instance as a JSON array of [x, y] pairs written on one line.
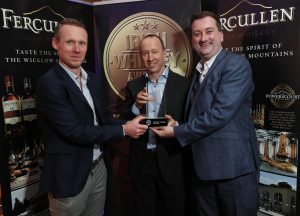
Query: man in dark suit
[[75, 123], [156, 165], [219, 127]]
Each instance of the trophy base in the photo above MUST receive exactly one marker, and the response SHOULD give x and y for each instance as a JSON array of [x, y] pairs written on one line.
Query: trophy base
[[156, 122]]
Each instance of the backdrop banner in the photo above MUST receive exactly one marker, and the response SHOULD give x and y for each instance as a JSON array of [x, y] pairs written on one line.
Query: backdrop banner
[[26, 53], [265, 32]]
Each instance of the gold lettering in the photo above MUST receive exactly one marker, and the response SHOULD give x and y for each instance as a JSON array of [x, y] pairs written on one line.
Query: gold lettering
[[174, 58], [135, 75], [121, 61]]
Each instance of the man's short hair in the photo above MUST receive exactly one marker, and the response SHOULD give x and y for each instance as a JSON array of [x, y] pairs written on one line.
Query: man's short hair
[[153, 36], [204, 14], [67, 21]]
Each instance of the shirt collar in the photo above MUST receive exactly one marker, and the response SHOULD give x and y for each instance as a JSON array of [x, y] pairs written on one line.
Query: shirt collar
[[207, 64], [163, 77], [84, 74]]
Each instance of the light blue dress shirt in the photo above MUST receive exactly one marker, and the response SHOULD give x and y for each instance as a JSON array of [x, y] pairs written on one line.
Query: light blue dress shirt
[[155, 89]]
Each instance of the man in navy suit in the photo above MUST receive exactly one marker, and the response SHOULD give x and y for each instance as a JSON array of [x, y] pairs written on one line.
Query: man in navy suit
[[156, 165], [75, 123], [219, 128]]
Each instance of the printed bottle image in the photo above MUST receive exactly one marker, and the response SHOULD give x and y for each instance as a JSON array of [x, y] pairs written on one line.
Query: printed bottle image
[[28, 108], [12, 110]]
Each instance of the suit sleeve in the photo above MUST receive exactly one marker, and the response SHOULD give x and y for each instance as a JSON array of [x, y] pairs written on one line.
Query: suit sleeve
[[233, 89], [58, 114]]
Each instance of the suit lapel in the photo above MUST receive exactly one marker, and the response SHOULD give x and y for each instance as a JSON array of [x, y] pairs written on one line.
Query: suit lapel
[[190, 89], [210, 73], [165, 106], [142, 84], [96, 96], [92, 88], [71, 85], [212, 70], [162, 108]]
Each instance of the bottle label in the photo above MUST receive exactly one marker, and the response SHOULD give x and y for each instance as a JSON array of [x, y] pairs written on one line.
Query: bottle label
[[11, 111], [29, 117], [28, 109], [12, 121], [11, 105], [28, 103]]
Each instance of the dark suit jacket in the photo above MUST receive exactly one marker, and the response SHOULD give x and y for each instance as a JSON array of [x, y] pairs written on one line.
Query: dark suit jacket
[[69, 133], [219, 127], [169, 152]]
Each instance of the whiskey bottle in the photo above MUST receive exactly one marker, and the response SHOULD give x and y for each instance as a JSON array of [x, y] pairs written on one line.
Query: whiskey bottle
[[28, 108], [12, 110]]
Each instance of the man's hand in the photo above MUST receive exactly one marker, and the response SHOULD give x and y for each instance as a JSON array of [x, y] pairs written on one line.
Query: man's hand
[[171, 121], [166, 131], [134, 129], [141, 99]]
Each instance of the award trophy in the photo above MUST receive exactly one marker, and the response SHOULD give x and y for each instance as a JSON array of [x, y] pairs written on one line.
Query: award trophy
[[155, 106]]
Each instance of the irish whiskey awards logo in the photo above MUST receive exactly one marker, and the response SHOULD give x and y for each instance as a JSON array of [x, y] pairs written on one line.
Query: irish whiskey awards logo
[[121, 57], [282, 96]]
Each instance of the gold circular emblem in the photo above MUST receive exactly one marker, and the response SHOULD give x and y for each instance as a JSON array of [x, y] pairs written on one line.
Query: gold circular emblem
[[282, 96], [121, 57]]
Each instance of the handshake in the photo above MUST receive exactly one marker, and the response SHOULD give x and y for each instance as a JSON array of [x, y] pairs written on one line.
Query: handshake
[[136, 127]]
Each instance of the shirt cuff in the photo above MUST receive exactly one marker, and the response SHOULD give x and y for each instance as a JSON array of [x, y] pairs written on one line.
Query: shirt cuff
[[135, 110], [124, 134]]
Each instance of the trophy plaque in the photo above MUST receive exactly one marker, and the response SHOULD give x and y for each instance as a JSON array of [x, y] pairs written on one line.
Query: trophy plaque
[[156, 105]]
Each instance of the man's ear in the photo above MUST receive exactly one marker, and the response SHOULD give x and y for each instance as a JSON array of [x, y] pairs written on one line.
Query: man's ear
[[54, 43], [222, 36]]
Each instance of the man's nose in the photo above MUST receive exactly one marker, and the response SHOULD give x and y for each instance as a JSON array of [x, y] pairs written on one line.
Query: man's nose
[[203, 37], [150, 56], [76, 47]]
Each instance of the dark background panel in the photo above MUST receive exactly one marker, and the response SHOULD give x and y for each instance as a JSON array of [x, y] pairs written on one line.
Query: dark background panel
[[17, 40]]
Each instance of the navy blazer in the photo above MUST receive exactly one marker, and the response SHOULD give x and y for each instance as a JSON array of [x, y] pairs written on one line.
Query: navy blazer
[[67, 123], [169, 152], [219, 127]]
